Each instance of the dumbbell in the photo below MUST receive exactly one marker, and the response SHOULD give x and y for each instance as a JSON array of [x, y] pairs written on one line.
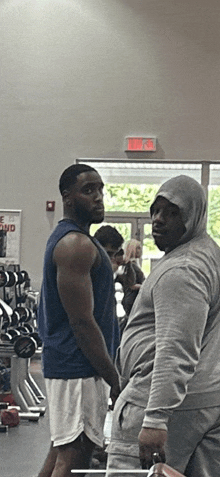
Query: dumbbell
[[33, 415], [37, 338], [20, 315], [13, 279], [25, 314], [25, 328], [8, 279], [22, 277], [25, 346], [10, 336], [15, 318], [4, 278], [21, 329], [5, 317], [9, 416], [29, 341]]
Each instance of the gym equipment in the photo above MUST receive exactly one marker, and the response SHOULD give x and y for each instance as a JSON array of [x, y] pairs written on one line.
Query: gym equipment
[[3, 428], [25, 340], [23, 387], [5, 314], [25, 346], [159, 468], [10, 336], [3, 405], [25, 314], [10, 417], [19, 340], [22, 277], [4, 278], [8, 279], [15, 317], [12, 279], [6, 322], [37, 338], [163, 470]]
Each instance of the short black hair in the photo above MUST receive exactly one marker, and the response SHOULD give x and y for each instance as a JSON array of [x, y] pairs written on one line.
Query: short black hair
[[69, 176], [109, 235]]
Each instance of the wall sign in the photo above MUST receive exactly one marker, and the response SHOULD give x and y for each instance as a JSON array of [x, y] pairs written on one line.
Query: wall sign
[[144, 144], [10, 236]]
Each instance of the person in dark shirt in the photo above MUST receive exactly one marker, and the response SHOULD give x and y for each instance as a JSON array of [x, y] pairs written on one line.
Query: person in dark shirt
[[76, 322]]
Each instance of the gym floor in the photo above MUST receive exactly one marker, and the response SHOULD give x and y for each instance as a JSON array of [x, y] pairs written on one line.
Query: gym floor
[[23, 449]]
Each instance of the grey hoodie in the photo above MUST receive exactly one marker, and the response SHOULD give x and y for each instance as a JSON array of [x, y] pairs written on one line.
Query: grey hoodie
[[169, 356]]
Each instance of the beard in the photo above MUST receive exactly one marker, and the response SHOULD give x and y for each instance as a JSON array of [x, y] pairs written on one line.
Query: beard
[[92, 216]]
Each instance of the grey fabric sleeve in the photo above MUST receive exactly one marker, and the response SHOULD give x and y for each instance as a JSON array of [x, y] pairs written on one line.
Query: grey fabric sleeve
[[181, 304]]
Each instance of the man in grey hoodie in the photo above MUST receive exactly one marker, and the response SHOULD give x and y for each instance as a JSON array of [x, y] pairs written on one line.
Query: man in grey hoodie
[[169, 357]]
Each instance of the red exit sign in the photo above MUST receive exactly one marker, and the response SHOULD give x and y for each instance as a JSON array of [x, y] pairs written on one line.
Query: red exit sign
[[141, 144]]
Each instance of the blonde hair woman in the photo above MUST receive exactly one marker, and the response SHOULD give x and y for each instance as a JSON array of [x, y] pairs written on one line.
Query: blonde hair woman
[[132, 254], [132, 251]]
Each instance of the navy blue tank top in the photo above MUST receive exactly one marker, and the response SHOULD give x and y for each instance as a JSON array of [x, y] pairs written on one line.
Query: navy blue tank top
[[61, 356]]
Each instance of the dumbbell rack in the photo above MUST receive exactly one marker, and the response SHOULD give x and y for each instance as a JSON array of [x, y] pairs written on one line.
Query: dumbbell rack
[[25, 390]]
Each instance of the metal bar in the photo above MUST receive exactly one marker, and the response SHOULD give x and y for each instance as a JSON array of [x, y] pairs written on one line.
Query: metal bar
[[104, 471], [205, 173]]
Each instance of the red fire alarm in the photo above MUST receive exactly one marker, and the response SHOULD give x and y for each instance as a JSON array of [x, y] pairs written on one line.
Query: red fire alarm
[[50, 205]]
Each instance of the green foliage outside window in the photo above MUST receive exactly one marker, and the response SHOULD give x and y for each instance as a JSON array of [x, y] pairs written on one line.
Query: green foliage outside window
[[129, 197], [214, 213]]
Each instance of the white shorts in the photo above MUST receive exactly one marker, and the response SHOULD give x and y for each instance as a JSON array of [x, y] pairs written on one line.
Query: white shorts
[[76, 406]]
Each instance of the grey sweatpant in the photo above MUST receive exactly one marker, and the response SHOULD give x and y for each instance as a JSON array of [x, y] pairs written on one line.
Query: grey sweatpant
[[193, 445]]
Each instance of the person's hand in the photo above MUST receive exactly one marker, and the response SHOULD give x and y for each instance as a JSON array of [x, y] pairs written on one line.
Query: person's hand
[[151, 441], [114, 393]]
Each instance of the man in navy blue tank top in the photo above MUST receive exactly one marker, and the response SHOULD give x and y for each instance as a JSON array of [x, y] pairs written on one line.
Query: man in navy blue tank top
[[76, 325]]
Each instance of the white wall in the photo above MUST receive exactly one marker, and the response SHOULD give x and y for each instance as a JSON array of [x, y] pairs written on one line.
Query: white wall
[[80, 75]]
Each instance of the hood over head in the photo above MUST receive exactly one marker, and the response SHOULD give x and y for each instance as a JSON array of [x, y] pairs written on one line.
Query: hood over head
[[189, 196]]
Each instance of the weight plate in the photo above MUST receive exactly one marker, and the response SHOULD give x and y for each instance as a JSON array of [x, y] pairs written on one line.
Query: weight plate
[[25, 275], [29, 328], [16, 277], [4, 278], [12, 279], [25, 347], [14, 335], [37, 338], [6, 321], [21, 279], [5, 337], [15, 317], [23, 330], [23, 313], [28, 316]]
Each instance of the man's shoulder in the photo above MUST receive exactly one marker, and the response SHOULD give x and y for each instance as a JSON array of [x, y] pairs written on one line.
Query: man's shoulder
[[195, 260], [61, 230], [75, 248], [76, 242]]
